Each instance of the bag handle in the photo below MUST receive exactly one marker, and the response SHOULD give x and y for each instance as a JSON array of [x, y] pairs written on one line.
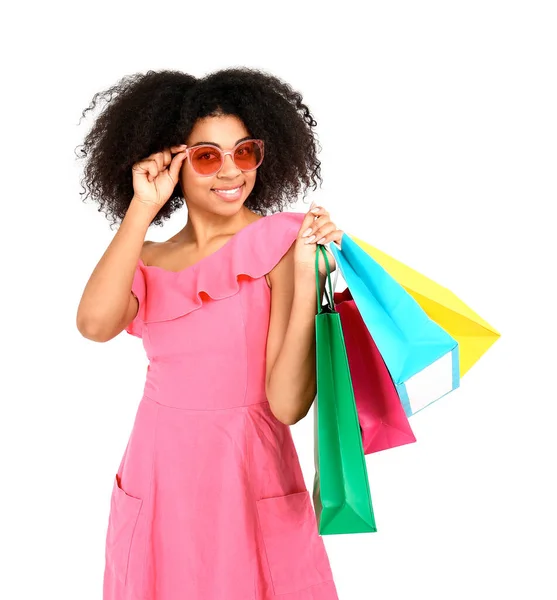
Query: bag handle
[[330, 296]]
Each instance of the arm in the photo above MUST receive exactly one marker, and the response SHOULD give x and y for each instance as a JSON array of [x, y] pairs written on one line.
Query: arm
[[107, 305], [291, 367]]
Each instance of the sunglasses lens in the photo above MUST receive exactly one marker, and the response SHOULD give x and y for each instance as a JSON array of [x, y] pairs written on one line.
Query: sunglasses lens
[[248, 156], [205, 160]]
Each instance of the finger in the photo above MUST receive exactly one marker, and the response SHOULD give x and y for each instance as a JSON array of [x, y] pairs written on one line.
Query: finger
[[309, 226], [176, 149], [176, 165], [315, 225], [153, 168], [334, 236], [148, 167], [166, 157], [158, 157], [318, 210], [321, 232]]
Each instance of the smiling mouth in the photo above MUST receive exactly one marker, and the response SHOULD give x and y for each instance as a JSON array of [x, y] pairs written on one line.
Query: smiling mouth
[[229, 193]]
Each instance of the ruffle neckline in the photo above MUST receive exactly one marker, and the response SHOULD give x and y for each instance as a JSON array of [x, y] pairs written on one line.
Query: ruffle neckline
[[253, 252]]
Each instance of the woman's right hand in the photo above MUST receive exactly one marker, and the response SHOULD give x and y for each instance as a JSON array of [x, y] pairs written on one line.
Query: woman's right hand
[[155, 177]]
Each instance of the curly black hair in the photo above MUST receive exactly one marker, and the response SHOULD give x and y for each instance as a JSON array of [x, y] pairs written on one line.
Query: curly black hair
[[149, 112]]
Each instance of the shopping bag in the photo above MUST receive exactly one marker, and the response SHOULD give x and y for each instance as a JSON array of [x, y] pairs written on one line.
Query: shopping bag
[[341, 494], [474, 335], [421, 356], [383, 421]]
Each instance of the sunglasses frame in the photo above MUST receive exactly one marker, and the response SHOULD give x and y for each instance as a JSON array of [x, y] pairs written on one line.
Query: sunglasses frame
[[223, 154]]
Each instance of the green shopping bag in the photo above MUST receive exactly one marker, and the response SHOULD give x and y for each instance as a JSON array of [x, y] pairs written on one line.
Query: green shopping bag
[[341, 495]]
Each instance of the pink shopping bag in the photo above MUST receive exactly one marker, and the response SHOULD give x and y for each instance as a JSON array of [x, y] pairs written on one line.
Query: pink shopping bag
[[382, 418]]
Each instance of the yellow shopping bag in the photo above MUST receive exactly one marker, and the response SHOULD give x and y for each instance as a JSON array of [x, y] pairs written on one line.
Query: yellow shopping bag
[[474, 335]]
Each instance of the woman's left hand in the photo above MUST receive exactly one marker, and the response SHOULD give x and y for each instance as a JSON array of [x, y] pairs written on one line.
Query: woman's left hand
[[320, 230]]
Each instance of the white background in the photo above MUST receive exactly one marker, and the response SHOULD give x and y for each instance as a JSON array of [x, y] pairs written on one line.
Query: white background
[[438, 127]]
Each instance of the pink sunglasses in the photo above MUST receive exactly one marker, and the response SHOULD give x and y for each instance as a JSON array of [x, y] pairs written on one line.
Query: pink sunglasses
[[208, 160]]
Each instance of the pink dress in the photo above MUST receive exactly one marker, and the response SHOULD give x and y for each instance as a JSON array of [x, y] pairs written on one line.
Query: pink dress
[[209, 501]]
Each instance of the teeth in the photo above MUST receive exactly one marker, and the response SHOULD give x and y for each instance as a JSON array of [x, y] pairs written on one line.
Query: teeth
[[228, 191]]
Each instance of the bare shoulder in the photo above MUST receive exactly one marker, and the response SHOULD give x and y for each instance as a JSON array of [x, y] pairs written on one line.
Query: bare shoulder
[[148, 251]]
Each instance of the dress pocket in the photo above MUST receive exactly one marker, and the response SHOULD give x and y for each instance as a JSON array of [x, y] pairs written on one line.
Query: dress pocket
[[295, 551], [124, 511]]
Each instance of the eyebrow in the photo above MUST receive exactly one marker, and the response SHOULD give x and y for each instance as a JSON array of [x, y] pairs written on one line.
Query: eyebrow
[[248, 137]]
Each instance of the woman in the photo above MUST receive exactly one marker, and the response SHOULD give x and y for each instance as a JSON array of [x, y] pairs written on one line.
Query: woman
[[209, 501]]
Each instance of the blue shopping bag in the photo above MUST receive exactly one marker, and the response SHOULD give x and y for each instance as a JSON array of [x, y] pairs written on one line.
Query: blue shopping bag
[[421, 356]]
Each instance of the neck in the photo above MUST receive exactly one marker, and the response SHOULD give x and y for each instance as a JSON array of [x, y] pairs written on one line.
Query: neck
[[204, 226]]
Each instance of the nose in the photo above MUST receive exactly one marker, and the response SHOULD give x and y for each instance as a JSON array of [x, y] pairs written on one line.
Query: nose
[[229, 168]]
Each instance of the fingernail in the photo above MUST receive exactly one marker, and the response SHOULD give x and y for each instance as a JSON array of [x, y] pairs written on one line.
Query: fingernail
[[321, 241], [309, 240], [316, 209], [307, 232]]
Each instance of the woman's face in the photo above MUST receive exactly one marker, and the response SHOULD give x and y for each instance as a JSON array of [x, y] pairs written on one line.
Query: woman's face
[[224, 131]]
